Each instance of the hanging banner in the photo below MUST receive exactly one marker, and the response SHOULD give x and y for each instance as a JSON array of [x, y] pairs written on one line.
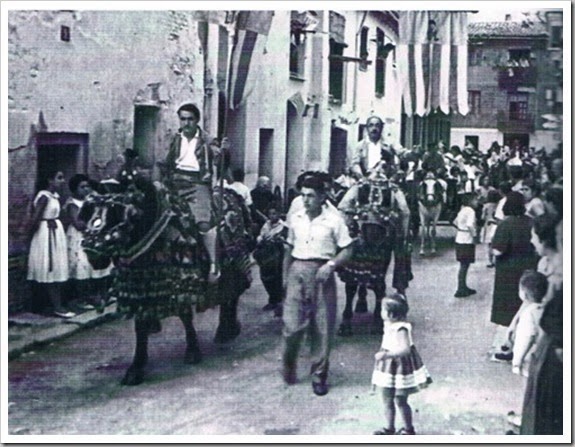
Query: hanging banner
[[432, 61], [252, 28]]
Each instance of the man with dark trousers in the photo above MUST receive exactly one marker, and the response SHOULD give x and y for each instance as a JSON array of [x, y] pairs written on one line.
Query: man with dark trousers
[[318, 242]]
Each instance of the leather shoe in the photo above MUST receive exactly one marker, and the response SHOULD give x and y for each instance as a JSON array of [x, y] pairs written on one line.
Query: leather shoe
[[319, 388], [289, 375], [463, 293]]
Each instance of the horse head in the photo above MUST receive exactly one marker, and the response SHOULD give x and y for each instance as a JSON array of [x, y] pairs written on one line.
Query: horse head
[[117, 221], [430, 191]]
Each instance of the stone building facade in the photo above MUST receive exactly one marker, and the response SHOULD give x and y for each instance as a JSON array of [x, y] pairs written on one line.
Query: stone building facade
[[515, 84], [85, 85]]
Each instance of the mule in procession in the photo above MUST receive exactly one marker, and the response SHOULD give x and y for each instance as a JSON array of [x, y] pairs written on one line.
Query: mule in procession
[[161, 268], [376, 211]]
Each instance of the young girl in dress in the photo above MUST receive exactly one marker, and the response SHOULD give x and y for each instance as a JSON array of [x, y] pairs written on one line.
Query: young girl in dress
[[90, 283], [398, 370], [48, 258]]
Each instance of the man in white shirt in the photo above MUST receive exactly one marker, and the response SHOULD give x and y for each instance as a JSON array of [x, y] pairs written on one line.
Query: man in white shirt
[[372, 149], [318, 242], [189, 170]]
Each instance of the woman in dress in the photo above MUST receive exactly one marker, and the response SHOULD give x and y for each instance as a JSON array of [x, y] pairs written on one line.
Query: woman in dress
[[514, 254], [48, 258]]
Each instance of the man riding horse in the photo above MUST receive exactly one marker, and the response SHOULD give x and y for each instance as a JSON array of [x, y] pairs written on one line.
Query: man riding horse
[[379, 211], [164, 239], [372, 149], [189, 170]]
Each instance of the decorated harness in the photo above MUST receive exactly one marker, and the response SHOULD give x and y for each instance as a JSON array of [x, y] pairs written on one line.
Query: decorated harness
[[373, 218]]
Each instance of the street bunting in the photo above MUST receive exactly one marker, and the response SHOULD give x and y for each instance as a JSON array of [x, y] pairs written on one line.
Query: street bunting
[[252, 28], [432, 61]]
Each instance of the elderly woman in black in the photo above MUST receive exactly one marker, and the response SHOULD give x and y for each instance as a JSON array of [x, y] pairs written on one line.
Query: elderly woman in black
[[514, 254]]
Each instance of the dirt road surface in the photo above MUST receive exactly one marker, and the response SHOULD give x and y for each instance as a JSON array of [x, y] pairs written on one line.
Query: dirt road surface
[[72, 386]]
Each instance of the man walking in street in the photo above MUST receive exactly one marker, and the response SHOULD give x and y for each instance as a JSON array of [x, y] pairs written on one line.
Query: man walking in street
[[318, 242]]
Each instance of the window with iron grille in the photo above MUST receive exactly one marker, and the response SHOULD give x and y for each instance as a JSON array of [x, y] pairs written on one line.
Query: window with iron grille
[[518, 106]]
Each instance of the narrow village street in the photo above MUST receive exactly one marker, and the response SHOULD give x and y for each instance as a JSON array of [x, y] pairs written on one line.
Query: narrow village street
[[72, 387]]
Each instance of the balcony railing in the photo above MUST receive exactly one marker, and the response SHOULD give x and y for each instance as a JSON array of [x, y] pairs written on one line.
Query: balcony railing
[[512, 77], [515, 123]]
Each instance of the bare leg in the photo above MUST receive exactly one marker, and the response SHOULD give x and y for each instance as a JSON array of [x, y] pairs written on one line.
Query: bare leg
[[405, 413], [388, 413], [490, 254], [54, 291], [210, 239]]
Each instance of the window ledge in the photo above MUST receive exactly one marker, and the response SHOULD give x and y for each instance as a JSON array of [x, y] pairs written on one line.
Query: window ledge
[[296, 77]]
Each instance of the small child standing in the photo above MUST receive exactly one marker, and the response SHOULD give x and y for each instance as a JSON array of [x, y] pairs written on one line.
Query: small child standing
[[466, 225], [399, 370], [532, 288], [89, 283], [269, 255], [523, 332]]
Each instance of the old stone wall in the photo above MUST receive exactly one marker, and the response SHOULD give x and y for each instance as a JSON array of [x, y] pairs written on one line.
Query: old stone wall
[[90, 84]]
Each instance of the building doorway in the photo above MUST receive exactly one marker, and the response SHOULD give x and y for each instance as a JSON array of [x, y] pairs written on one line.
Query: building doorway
[[66, 152], [145, 124], [516, 140], [265, 163], [337, 151]]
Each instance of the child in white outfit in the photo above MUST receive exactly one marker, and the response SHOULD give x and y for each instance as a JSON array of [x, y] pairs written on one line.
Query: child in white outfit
[[399, 370], [532, 288]]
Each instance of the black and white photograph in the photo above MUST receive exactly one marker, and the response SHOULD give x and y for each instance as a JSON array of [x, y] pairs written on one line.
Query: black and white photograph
[[247, 222]]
